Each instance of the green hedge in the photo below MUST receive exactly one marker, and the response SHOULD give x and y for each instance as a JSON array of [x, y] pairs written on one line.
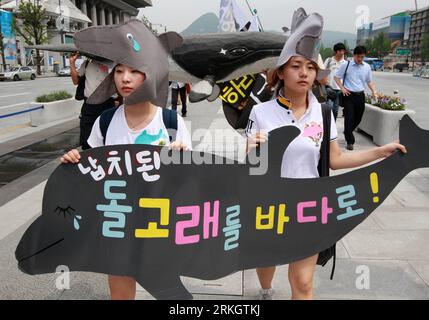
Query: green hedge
[[54, 96]]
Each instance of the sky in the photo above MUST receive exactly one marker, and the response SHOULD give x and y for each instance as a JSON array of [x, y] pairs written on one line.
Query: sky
[[343, 15]]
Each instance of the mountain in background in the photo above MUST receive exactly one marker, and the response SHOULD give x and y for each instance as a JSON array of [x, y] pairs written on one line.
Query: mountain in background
[[208, 23], [330, 38]]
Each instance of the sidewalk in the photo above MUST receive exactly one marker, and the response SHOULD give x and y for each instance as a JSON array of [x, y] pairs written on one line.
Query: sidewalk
[[392, 242]]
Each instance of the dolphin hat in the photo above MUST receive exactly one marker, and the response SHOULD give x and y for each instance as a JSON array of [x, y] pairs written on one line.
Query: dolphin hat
[[304, 40], [135, 45]]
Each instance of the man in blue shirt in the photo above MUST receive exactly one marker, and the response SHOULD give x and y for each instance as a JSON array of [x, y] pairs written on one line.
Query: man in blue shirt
[[352, 78]]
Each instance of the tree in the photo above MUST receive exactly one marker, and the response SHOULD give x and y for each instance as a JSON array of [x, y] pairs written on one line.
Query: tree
[[326, 52], [424, 47], [149, 24], [371, 51], [30, 22], [381, 44]]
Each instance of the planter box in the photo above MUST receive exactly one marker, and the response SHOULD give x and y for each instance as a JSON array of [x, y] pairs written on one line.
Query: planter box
[[55, 111], [382, 125]]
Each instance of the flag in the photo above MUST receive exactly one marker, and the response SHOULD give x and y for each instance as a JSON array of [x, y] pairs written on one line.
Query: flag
[[232, 18]]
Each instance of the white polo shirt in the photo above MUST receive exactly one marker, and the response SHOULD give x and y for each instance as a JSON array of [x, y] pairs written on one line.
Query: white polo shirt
[[301, 158], [333, 65]]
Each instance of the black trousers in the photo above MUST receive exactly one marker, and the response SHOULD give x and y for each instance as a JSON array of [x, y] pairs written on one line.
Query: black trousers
[[174, 98], [354, 107], [88, 115]]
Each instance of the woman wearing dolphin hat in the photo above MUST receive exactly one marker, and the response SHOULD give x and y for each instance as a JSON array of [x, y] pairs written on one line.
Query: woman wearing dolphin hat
[[316, 150], [140, 76]]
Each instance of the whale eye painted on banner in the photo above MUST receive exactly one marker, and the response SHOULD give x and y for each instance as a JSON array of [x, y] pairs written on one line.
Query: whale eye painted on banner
[[64, 211], [199, 218]]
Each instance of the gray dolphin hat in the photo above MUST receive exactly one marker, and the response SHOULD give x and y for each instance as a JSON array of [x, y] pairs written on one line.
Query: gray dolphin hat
[[304, 40], [136, 46]]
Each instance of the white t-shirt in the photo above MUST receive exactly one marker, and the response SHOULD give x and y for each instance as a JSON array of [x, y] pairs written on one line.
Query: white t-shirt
[[95, 73], [301, 158], [155, 133]]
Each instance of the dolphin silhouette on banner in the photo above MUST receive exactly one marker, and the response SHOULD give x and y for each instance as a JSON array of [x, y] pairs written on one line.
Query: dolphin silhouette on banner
[[123, 211]]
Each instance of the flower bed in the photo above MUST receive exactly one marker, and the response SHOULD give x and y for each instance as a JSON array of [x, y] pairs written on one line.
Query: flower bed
[[382, 116]]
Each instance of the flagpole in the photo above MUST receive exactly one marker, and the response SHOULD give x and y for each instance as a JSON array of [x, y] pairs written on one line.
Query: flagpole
[[254, 13]]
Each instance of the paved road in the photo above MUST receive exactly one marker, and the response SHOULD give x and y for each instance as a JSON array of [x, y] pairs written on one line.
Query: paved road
[[18, 96], [391, 244], [415, 90]]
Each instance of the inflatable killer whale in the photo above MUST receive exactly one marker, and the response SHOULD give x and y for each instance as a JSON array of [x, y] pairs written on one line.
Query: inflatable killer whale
[[207, 60]]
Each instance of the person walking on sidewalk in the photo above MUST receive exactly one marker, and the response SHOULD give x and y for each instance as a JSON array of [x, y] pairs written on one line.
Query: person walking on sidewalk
[[352, 77], [89, 76], [176, 89], [139, 120], [310, 155], [333, 64]]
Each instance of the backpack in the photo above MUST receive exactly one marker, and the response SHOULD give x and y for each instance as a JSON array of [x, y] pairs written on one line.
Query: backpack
[[320, 92], [169, 117], [323, 169]]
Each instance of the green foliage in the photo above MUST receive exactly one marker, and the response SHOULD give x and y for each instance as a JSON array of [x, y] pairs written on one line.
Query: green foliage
[[424, 47], [54, 96], [30, 23], [387, 102], [326, 52]]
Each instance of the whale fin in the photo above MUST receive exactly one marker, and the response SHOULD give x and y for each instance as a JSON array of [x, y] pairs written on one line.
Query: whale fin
[[171, 40], [298, 17], [205, 89], [278, 142], [164, 287], [413, 138]]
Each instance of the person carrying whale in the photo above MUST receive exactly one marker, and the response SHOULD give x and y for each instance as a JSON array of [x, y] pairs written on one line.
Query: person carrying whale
[[316, 150], [140, 76]]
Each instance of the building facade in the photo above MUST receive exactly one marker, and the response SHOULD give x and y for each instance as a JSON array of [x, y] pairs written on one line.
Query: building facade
[[107, 12], [419, 26], [65, 17], [99, 13], [396, 28]]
